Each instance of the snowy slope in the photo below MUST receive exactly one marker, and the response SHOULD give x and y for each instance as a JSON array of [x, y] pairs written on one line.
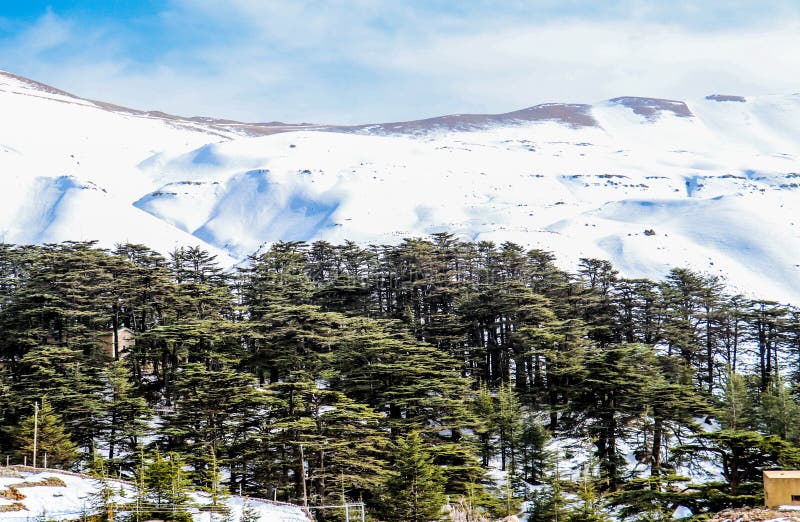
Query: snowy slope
[[716, 179], [77, 496]]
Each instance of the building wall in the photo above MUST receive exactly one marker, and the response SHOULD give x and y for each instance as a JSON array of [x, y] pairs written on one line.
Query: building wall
[[127, 339], [779, 491]]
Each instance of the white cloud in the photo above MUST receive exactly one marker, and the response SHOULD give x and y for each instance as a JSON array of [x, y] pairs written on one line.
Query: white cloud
[[585, 62], [47, 33]]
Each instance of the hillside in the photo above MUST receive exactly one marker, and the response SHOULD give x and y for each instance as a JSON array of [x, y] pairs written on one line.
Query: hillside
[[711, 184]]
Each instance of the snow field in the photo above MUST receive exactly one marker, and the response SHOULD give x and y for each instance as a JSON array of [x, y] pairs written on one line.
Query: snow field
[[718, 185]]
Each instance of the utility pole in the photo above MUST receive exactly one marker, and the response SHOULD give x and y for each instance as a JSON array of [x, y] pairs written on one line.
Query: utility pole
[[35, 430], [344, 500], [557, 485], [303, 477]]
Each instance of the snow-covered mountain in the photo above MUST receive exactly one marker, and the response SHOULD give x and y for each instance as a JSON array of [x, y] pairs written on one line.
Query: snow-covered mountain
[[713, 184]]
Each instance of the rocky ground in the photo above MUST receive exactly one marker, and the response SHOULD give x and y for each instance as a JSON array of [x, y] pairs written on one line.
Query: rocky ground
[[755, 515]]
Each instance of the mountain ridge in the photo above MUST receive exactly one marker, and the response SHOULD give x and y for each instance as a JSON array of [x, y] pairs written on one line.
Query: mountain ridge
[[576, 114]]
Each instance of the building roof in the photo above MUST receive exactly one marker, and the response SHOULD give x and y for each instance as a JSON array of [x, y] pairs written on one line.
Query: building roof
[[785, 474]]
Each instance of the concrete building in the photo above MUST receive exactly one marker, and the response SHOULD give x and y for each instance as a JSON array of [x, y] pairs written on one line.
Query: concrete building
[[125, 337], [781, 488]]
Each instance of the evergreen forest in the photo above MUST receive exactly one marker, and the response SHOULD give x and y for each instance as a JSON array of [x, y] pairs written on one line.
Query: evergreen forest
[[434, 371]]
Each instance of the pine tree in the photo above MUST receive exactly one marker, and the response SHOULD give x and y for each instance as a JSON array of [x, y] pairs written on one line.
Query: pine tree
[[249, 513], [52, 439], [6, 406], [733, 329], [652, 499], [313, 347], [199, 327], [672, 406], [101, 499], [417, 387], [768, 324], [682, 291], [339, 440], [533, 450], [596, 300], [508, 419], [485, 426], [145, 297], [615, 389], [72, 388], [589, 509], [737, 411], [548, 504], [214, 409], [285, 333], [165, 485], [340, 274], [742, 456], [415, 490], [213, 483], [124, 420], [779, 411]]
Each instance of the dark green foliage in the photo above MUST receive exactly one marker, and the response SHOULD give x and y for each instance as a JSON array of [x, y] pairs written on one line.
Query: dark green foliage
[[654, 498], [548, 504], [163, 488], [301, 367], [124, 420], [414, 386], [101, 499], [53, 439], [533, 452], [615, 389], [339, 440], [711, 497], [214, 413], [742, 455], [507, 420], [249, 513], [60, 374], [415, 488], [737, 411], [779, 412]]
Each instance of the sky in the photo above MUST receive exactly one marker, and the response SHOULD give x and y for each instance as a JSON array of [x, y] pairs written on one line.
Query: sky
[[362, 61]]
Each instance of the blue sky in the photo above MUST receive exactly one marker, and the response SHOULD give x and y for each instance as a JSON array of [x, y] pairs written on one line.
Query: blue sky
[[352, 61]]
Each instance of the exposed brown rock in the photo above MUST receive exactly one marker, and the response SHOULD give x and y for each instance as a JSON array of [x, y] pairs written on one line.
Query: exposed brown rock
[[9, 508], [572, 114], [651, 108], [725, 98], [47, 481], [12, 493]]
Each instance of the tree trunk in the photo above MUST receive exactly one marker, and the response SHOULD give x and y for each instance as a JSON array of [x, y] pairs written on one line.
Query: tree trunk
[[655, 457]]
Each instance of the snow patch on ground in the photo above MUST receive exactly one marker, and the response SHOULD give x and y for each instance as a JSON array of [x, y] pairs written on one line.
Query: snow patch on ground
[[77, 499]]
